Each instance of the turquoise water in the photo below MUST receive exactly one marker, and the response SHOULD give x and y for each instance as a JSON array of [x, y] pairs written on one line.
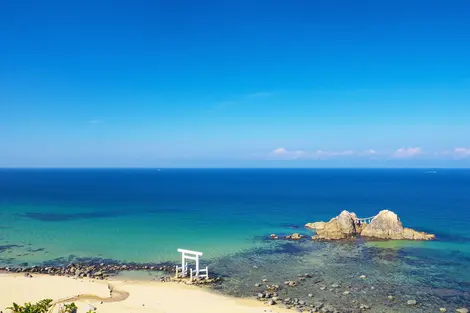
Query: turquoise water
[[145, 215]]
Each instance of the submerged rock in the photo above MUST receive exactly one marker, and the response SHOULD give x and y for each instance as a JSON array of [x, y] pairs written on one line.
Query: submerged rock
[[411, 302], [387, 225], [462, 310]]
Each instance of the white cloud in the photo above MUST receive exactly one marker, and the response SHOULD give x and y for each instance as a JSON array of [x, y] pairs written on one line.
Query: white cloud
[[404, 153], [284, 154], [370, 152], [460, 153], [329, 154]]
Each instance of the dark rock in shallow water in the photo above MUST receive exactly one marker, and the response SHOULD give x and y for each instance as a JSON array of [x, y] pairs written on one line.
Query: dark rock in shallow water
[[9, 247], [90, 269]]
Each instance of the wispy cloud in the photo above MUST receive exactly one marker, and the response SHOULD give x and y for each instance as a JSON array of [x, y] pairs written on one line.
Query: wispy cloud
[[371, 152], [284, 154], [322, 154], [404, 153], [460, 153]]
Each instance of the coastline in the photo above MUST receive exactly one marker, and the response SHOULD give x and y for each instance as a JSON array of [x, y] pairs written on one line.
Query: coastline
[[143, 296]]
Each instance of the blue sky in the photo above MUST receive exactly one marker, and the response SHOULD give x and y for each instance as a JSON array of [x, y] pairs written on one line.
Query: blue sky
[[235, 83]]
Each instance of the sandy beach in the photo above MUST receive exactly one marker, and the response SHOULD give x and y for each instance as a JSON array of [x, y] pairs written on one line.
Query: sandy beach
[[128, 296]]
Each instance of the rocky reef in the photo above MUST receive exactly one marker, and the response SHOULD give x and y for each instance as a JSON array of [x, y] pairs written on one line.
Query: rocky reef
[[89, 269], [385, 225]]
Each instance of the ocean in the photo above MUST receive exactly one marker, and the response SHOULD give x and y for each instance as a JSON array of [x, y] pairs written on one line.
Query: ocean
[[144, 215]]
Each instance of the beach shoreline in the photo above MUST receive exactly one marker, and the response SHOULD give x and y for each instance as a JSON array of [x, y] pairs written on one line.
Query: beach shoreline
[[142, 296]]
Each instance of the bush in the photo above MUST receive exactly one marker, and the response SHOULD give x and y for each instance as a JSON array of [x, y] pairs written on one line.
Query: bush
[[70, 308], [42, 306]]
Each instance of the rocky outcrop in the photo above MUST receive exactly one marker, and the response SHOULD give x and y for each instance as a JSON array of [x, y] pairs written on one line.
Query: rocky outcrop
[[387, 225], [295, 236], [316, 225], [340, 227]]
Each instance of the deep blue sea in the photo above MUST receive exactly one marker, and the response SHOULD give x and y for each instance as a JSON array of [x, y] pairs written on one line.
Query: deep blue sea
[[144, 215]]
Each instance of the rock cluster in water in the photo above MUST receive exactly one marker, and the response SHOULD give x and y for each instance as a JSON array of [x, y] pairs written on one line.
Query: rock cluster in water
[[104, 270], [90, 270], [385, 225], [273, 294]]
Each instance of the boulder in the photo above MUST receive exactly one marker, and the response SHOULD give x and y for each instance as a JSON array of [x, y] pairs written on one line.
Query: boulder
[[340, 227], [295, 236], [387, 225], [316, 225]]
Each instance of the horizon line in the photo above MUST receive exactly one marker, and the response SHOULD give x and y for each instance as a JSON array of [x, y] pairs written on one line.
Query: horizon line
[[234, 168]]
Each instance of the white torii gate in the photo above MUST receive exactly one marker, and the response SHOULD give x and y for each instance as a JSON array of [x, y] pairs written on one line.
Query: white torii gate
[[190, 255]]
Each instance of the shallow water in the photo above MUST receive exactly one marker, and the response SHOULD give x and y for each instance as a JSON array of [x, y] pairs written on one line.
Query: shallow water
[[389, 272], [145, 215]]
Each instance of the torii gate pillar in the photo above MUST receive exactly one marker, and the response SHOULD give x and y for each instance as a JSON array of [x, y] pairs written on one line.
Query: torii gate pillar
[[189, 255]]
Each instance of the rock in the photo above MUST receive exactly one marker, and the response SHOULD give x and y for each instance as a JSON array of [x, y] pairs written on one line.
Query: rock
[[364, 307], [295, 236], [272, 287], [274, 236], [261, 295], [346, 293], [442, 310], [390, 297], [271, 302], [257, 285], [322, 288], [462, 310], [265, 280], [411, 302], [363, 276], [317, 305], [335, 286], [340, 227], [310, 295], [387, 225], [316, 225]]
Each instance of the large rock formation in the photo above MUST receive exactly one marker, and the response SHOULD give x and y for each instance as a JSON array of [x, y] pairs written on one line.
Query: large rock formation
[[386, 225], [340, 227]]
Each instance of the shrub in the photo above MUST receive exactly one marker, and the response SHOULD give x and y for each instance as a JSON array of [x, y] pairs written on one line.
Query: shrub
[[42, 306]]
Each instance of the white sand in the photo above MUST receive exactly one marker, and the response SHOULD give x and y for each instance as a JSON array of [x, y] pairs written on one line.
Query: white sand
[[143, 296]]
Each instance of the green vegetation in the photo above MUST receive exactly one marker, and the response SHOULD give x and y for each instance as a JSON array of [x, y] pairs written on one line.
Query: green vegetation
[[70, 308], [42, 306]]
